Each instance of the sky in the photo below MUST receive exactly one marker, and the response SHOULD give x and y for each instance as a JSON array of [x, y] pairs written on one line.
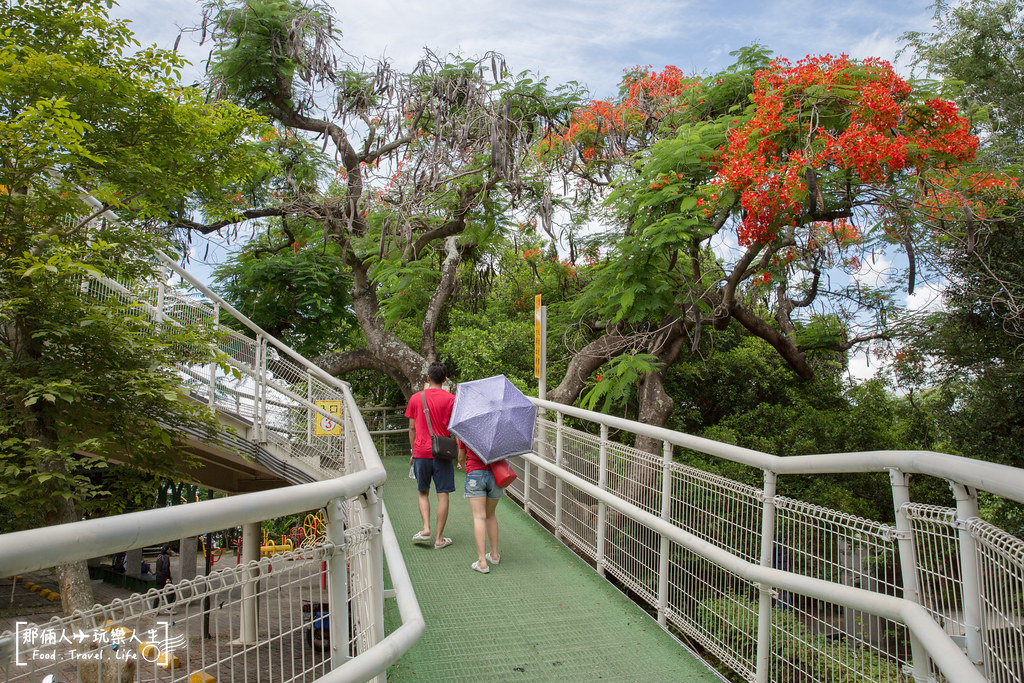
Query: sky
[[587, 41]]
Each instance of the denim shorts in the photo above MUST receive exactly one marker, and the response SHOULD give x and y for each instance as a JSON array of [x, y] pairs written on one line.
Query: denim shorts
[[480, 483]]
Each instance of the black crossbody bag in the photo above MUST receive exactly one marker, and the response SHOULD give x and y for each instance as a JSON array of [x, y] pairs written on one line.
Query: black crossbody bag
[[441, 447]]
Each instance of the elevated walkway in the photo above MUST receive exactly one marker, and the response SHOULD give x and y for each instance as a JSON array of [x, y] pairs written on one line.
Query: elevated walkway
[[541, 615]]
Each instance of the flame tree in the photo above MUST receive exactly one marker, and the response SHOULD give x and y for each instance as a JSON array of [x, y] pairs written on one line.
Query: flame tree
[[758, 196]]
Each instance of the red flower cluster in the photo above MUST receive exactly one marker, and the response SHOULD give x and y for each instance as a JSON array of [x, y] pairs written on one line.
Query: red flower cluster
[[830, 113], [647, 94]]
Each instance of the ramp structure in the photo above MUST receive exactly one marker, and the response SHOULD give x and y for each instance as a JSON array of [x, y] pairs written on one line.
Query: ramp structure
[[770, 587]]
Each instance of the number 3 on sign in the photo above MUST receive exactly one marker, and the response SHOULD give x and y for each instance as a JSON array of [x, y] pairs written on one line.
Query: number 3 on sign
[[324, 425]]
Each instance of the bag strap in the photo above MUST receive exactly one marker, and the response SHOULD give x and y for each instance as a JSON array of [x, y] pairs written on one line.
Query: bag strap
[[426, 411]]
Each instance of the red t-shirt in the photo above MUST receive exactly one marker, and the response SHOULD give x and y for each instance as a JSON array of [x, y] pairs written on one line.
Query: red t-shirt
[[440, 403], [473, 462]]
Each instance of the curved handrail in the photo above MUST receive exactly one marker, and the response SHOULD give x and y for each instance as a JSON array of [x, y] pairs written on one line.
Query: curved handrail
[[1001, 480], [952, 662], [34, 549]]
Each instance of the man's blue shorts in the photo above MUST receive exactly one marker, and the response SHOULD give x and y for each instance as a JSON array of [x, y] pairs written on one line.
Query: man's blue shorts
[[441, 471]]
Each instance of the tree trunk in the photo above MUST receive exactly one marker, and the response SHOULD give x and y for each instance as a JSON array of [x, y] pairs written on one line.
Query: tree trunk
[[640, 484], [75, 587]]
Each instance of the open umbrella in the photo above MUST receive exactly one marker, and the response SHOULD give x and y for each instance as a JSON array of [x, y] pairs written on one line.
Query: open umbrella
[[493, 418]]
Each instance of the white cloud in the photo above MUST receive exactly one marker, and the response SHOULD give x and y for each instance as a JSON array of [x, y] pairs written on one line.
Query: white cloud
[[586, 41], [859, 367], [874, 271], [926, 298]]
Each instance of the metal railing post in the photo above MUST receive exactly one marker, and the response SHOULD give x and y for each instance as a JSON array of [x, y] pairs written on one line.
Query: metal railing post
[[337, 583], [766, 593], [310, 415], [966, 510], [213, 366], [161, 291], [265, 399], [602, 509], [526, 487], [666, 514], [921, 664], [258, 379], [375, 515], [348, 440], [247, 631], [559, 444]]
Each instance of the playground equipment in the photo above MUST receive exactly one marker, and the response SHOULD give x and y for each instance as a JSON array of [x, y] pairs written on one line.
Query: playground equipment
[[314, 529], [268, 548], [215, 554]]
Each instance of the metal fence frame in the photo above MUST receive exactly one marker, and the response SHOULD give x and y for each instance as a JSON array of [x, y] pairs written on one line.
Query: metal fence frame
[[279, 389], [932, 650]]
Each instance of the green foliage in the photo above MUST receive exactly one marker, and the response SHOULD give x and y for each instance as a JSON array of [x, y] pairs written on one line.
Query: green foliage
[[83, 375], [618, 381], [732, 621], [745, 395], [486, 344], [978, 46], [268, 43], [961, 365], [298, 294]]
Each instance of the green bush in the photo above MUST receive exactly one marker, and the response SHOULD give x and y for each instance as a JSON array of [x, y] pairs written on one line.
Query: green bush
[[798, 653]]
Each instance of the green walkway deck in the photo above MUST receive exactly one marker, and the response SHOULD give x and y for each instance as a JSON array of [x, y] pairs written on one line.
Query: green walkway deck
[[541, 615]]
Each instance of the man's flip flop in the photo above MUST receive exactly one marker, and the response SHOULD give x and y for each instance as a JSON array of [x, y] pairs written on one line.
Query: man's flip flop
[[420, 537], [445, 542]]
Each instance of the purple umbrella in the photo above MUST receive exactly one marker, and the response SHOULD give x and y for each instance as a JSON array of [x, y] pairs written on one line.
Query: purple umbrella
[[493, 418]]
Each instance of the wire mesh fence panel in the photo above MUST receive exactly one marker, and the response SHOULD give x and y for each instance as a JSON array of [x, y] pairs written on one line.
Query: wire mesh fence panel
[[713, 608], [635, 476], [631, 555], [1001, 581], [937, 551], [360, 581], [835, 546], [581, 454], [389, 428], [543, 489], [385, 418], [705, 602], [195, 627], [717, 510], [840, 548], [579, 521], [814, 640]]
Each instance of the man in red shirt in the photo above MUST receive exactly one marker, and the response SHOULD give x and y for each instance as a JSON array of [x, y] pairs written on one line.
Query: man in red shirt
[[425, 466]]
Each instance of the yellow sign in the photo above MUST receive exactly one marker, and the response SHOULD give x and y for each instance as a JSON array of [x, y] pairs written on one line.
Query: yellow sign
[[536, 336], [325, 426]]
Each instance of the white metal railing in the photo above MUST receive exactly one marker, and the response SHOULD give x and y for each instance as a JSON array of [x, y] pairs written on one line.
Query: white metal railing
[[777, 589], [304, 425]]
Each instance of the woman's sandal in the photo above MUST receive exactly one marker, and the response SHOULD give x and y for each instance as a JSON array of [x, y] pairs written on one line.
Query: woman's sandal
[[477, 568]]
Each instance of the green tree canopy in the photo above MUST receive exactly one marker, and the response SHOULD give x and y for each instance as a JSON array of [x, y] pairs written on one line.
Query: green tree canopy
[[83, 374], [422, 172]]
